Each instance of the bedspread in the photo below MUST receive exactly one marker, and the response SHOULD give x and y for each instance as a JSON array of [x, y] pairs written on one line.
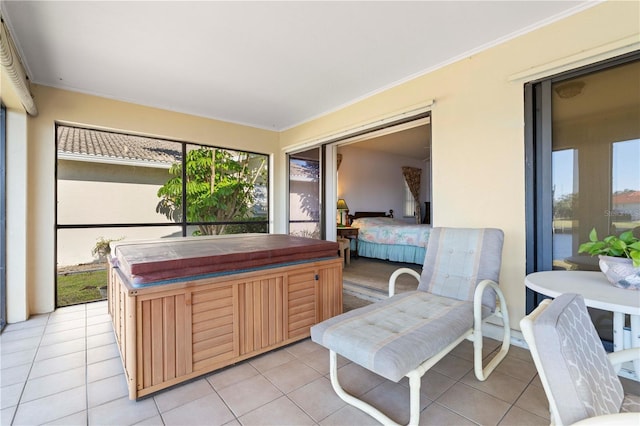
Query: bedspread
[[386, 230]]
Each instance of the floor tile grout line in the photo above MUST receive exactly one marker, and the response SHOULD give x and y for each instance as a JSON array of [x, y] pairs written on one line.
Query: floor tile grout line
[[26, 380], [223, 400], [155, 402]]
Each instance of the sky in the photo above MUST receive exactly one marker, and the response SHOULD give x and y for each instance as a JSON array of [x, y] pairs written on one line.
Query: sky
[[626, 168]]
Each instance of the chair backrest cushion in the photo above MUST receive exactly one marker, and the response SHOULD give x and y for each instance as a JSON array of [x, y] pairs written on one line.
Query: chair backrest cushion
[[458, 259], [581, 379]]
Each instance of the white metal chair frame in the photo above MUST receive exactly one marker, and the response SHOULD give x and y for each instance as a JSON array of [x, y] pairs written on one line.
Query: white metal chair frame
[[616, 359], [474, 334]]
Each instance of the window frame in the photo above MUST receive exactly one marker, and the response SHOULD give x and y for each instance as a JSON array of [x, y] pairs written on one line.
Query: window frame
[[538, 167], [184, 223]]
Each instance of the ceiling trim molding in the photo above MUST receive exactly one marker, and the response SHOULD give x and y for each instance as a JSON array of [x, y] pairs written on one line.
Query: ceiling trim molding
[[585, 57]]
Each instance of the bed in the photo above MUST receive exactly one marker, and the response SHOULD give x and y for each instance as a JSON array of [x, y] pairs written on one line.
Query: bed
[[381, 236]]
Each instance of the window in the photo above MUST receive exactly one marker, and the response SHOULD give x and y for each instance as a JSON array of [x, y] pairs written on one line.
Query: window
[[409, 202], [583, 148], [304, 194], [113, 186]]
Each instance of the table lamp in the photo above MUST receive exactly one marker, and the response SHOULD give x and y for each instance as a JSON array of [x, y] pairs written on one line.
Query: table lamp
[[342, 206]]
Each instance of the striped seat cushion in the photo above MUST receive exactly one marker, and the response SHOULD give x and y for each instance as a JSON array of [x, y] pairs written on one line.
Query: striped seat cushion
[[394, 336]]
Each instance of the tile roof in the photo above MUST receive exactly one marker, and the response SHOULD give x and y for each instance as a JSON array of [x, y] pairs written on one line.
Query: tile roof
[[629, 197], [117, 146]]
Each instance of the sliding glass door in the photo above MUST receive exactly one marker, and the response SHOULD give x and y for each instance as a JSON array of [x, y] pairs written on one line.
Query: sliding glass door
[[305, 192], [583, 157]]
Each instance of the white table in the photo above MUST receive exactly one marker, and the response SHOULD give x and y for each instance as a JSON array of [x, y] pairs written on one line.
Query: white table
[[598, 293]]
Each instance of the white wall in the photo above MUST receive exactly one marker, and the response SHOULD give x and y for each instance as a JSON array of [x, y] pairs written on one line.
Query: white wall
[[372, 180]]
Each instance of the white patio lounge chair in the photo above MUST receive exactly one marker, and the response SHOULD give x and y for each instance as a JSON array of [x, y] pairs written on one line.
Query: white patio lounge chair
[[406, 334], [578, 376]]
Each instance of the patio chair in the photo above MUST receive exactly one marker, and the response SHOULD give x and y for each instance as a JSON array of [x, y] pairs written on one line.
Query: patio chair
[[406, 334], [577, 374]]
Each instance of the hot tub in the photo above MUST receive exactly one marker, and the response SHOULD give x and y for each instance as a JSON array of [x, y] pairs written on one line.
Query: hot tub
[[183, 307]]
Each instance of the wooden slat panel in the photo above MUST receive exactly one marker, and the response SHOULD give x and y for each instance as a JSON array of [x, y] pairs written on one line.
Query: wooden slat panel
[[295, 301], [145, 354], [206, 325], [303, 317], [214, 332], [207, 305], [211, 344], [182, 344], [257, 316], [247, 328], [236, 320], [279, 309], [213, 314], [241, 289], [169, 337], [157, 344], [271, 330], [309, 291], [298, 309], [212, 325], [213, 354], [211, 294], [301, 285], [302, 299], [264, 311]]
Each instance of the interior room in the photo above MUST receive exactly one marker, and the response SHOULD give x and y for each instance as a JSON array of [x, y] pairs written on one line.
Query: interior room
[[223, 159], [374, 165]]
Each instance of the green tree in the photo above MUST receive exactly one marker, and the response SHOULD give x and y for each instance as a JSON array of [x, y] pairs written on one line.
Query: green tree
[[219, 190], [565, 207]]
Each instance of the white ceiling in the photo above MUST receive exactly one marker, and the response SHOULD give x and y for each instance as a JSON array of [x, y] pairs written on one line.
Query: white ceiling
[[271, 65]]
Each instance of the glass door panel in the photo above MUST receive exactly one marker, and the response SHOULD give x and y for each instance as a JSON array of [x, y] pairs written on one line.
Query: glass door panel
[[595, 165], [595, 160], [304, 194]]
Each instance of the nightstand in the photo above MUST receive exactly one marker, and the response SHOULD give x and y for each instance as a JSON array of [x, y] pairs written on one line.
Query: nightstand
[[349, 233]]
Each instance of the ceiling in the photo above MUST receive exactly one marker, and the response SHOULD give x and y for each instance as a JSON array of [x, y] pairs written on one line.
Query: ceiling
[[271, 65], [412, 142]]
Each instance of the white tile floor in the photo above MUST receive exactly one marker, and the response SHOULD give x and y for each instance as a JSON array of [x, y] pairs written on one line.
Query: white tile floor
[[64, 368]]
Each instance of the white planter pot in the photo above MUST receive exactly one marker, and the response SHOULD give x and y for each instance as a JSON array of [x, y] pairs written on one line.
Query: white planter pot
[[620, 272]]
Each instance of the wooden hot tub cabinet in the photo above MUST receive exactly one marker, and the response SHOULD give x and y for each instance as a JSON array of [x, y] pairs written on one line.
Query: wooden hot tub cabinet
[[172, 332]]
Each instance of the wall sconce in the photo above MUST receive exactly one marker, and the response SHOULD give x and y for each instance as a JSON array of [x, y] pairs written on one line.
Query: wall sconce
[[341, 207]]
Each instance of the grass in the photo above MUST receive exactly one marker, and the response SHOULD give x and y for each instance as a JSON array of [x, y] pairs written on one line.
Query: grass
[[80, 287]]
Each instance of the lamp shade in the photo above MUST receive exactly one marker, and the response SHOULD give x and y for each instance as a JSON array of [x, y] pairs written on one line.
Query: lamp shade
[[342, 205]]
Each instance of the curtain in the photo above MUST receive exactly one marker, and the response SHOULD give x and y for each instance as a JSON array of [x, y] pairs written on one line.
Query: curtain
[[412, 177]]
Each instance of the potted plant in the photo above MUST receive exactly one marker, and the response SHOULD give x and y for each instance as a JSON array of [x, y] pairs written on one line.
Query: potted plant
[[619, 257]]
